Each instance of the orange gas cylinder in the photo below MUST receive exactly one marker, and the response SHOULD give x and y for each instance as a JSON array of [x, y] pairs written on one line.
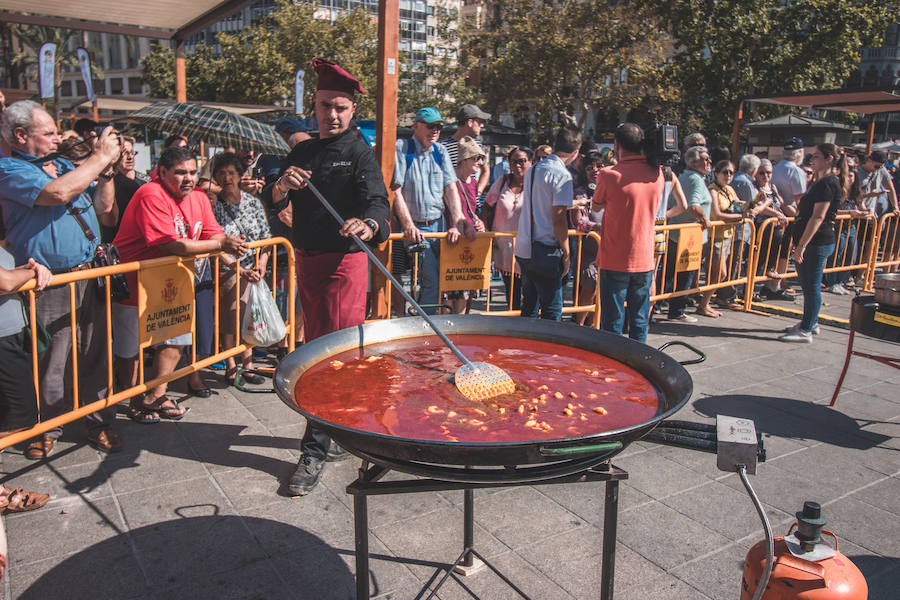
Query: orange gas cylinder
[[806, 568]]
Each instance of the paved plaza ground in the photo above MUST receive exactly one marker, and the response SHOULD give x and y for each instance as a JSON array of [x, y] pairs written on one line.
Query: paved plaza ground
[[191, 510]]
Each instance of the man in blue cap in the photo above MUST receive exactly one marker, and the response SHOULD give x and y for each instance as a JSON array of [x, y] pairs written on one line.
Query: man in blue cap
[[424, 185]]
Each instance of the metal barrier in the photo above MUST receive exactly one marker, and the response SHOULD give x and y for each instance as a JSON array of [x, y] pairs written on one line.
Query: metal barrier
[[724, 262], [114, 397], [593, 307], [773, 250], [885, 252]]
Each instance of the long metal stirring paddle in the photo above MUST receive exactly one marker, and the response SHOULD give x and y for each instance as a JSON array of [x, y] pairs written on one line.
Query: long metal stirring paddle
[[475, 380]]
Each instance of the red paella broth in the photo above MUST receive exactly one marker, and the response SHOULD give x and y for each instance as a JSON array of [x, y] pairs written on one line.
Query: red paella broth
[[404, 388]]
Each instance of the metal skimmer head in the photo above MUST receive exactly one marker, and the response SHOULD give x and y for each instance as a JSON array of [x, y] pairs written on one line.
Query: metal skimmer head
[[483, 381]]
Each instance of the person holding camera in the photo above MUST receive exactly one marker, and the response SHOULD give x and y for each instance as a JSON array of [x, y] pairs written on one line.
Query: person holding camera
[[53, 212], [629, 193]]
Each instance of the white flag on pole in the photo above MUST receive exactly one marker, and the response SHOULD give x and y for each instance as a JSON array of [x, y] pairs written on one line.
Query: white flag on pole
[[46, 62]]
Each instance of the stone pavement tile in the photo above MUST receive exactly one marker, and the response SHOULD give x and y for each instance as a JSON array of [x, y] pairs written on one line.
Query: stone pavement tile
[[586, 500], [274, 413], [253, 581], [535, 516], [881, 389], [250, 486], [782, 364], [657, 476], [573, 561], [814, 462], [435, 539], [257, 452], [864, 406], [486, 584], [48, 533], [130, 472], [863, 524], [220, 425], [719, 573], [191, 552], [887, 435], [173, 500], [661, 587], [324, 572], [870, 564], [884, 495], [87, 480], [816, 386], [290, 433], [396, 508], [784, 490], [730, 513], [69, 451], [104, 570], [856, 451], [885, 585], [721, 379], [665, 536], [338, 475], [205, 407], [289, 524], [701, 463]]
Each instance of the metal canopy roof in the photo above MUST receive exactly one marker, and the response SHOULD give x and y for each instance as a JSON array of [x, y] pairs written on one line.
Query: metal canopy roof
[[797, 122], [865, 100], [163, 19], [126, 103]]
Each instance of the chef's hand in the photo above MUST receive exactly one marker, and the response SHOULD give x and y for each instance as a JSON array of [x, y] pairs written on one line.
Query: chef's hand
[[41, 273], [411, 233], [293, 178], [356, 227], [235, 244]]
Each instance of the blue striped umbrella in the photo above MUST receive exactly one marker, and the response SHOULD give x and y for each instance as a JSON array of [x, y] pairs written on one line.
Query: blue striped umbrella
[[212, 125]]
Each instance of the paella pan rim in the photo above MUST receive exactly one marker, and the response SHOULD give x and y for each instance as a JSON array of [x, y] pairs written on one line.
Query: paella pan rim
[[670, 380]]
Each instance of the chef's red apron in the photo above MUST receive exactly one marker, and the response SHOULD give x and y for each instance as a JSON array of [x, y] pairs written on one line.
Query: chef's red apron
[[332, 288]]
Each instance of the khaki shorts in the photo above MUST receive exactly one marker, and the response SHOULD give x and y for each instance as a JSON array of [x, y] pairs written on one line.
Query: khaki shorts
[[125, 332]]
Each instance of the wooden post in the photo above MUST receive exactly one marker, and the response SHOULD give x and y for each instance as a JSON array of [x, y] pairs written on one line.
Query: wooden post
[[736, 132], [180, 73], [870, 137], [386, 124]]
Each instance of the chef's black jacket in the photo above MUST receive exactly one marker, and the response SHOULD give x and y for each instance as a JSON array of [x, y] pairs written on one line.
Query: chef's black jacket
[[345, 171]]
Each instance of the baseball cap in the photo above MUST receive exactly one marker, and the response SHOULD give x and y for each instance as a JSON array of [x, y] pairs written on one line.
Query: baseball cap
[[470, 111], [878, 156], [468, 148], [429, 114], [794, 143]]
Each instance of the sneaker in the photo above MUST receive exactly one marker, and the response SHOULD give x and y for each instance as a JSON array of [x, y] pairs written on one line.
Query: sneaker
[[839, 290], [775, 294], [850, 283], [336, 453], [795, 328], [306, 476], [684, 318], [798, 336]]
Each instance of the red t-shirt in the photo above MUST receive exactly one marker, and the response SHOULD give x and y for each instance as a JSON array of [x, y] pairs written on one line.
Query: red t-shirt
[[630, 192], [154, 217]]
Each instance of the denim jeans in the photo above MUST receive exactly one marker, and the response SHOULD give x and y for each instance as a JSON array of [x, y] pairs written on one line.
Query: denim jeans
[[429, 264], [541, 294], [810, 274], [513, 285], [676, 282], [846, 255], [616, 288]]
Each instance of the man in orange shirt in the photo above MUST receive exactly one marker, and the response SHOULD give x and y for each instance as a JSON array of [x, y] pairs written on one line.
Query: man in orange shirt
[[630, 192]]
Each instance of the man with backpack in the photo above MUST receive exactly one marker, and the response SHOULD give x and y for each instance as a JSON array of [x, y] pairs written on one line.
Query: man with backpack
[[424, 185]]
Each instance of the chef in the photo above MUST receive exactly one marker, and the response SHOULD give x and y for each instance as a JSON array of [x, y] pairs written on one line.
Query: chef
[[332, 272]]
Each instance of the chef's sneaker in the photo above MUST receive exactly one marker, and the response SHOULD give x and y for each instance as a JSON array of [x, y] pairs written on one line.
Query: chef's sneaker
[[306, 476], [799, 336], [795, 328]]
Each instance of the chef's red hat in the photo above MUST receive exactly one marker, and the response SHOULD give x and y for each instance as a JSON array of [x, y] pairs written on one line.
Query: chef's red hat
[[333, 77]]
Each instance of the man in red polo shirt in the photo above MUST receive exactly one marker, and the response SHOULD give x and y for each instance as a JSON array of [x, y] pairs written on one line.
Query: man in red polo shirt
[[166, 217], [630, 192]]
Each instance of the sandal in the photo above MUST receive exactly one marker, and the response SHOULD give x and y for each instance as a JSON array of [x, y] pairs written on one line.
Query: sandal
[[19, 500], [140, 413], [171, 413]]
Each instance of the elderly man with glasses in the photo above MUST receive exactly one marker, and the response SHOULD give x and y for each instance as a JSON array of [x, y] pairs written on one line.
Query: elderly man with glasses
[[424, 184], [693, 182]]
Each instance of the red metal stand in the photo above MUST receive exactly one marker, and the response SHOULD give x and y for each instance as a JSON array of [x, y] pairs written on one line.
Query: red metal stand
[[885, 360]]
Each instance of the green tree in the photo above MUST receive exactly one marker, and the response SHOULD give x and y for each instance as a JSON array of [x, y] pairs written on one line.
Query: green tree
[[203, 69], [727, 49], [557, 56]]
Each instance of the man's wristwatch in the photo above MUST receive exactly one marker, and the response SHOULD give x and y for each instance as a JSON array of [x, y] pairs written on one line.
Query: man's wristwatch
[[373, 225], [108, 176]]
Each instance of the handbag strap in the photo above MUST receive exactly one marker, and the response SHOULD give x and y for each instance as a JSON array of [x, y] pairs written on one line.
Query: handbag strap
[[85, 228], [531, 202]]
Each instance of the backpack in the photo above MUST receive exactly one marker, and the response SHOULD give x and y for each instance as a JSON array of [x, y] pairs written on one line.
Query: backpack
[[411, 153]]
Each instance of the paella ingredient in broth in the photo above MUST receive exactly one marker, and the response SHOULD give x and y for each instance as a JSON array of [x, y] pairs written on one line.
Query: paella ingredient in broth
[[404, 388]]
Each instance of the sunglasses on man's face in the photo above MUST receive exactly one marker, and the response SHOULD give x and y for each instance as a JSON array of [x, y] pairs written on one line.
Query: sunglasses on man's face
[[434, 126]]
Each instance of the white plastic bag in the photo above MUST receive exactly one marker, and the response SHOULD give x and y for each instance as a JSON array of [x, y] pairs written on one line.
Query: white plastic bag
[[262, 324]]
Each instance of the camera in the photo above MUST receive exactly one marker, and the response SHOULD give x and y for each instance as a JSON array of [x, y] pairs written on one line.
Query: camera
[[98, 129], [661, 145], [417, 247]]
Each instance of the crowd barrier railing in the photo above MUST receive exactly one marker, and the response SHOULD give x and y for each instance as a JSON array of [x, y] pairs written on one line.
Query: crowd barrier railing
[[279, 275], [724, 258], [885, 252], [589, 289], [773, 250]]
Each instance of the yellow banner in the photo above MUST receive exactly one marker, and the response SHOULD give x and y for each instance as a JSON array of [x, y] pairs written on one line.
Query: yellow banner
[[165, 301], [690, 249], [466, 265]]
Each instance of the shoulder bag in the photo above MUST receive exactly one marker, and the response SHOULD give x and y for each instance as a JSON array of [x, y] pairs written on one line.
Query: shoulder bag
[[546, 260], [104, 256]]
